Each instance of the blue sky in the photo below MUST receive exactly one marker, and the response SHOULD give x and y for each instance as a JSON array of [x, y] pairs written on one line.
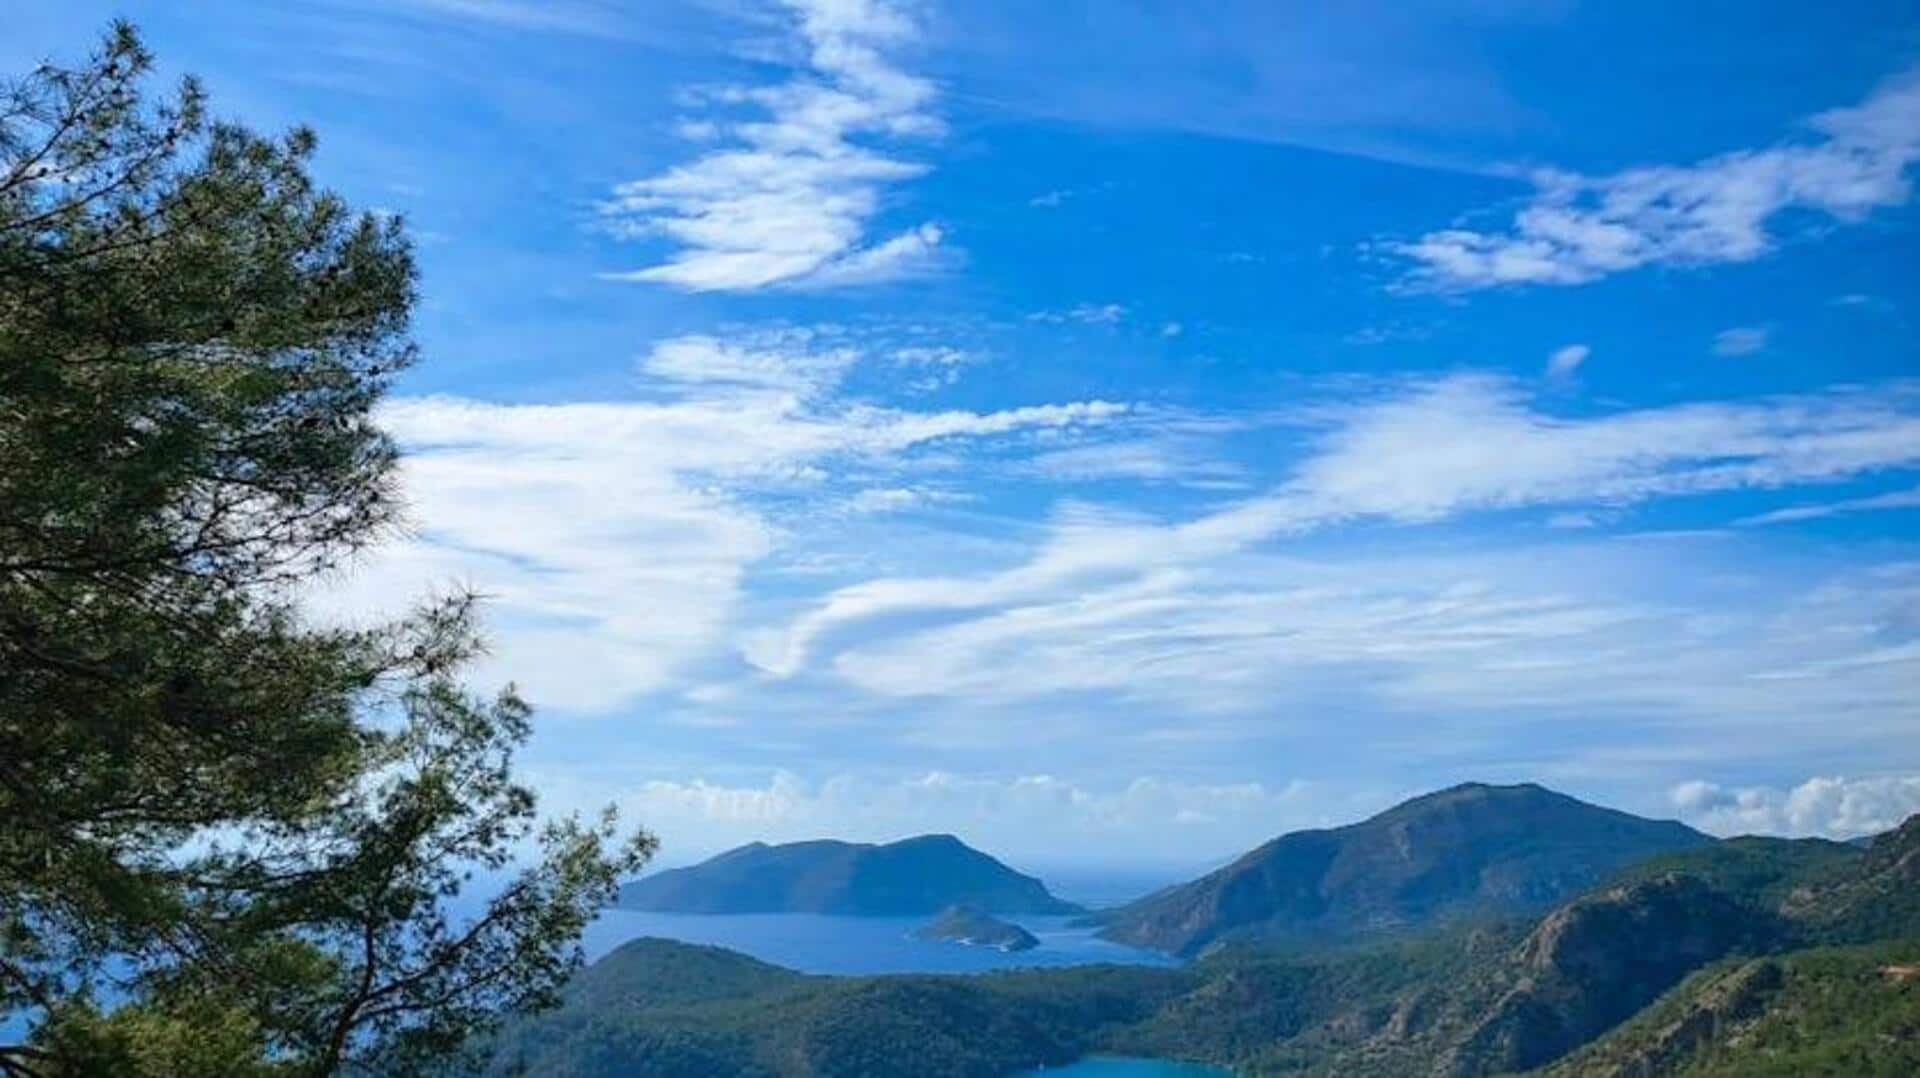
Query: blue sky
[[1118, 435]]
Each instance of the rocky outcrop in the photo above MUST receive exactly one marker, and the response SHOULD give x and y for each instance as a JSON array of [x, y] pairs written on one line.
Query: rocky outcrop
[[1592, 963], [1706, 1018]]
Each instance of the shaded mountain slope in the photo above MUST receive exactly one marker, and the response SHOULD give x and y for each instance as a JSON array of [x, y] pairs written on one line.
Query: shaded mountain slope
[[1841, 1012], [1470, 850], [1878, 898], [915, 876], [1596, 960], [748, 1018]]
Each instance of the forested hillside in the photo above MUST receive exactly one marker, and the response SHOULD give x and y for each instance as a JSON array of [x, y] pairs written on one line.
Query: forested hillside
[[1736, 957]]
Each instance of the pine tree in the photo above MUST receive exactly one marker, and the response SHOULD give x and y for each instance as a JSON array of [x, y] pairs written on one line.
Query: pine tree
[[250, 825]]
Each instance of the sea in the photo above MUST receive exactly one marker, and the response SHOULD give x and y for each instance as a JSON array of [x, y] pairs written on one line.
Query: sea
[[818, 943]]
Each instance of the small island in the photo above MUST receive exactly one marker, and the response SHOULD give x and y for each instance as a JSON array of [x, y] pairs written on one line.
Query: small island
[[976, 927]]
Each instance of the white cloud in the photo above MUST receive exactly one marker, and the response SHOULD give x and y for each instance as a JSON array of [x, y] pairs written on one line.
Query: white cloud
[[1828, 806], [913, 252], [921, 355], [1162, 460], [1087, 314], [1515, 639], [774, 362], [1562, 364], [593, 18], [939, 366], [1389, 334], [1898, 499], [1739, 341], [876, 500], [1580, 228], [1467, 443], [1573, 519], [614, 536], [1438, 450], [788, 199], [1038, 820]]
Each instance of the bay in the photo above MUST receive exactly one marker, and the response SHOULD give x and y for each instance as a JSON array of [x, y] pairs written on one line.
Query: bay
[[820, 943]]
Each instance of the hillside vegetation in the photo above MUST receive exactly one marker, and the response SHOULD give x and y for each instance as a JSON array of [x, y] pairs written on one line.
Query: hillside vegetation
[[1845, 1012], [1749, 956], [1473, 850], [914, 876]]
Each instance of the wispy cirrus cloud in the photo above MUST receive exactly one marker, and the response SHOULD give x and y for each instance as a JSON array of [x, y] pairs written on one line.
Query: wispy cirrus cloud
[[594, 18], [1897, 499], [1563, 362], [1740, 340], [1164, 459], [1519, 639], [614, 536], [1578, 228], [786, 198], [1435, 451], [1086, 314]]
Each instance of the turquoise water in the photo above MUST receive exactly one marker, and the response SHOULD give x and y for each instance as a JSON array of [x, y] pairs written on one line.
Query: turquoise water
[[816, 943], [1125, 1067]]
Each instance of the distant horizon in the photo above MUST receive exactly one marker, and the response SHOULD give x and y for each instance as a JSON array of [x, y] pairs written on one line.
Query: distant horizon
[[1093, 871], [878, 416]]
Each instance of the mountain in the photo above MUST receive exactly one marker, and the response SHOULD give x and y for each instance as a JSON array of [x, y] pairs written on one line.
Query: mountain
[[1469, 850], [1600, 958], [912, 877], [978, 928], [1738, 957]]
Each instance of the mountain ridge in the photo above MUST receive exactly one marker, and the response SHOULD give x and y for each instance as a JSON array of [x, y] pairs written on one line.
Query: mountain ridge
[[914, 876], [1738, 956], [1470, 849]]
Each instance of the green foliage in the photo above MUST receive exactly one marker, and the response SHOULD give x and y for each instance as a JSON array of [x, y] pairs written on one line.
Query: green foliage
[[918, 875], [661, 1008], [1470, 851], [1765, 870], [657, 1007], [181, 1033], [1832, 1011], [255, 824], [1729, 924], [1877, 899]]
